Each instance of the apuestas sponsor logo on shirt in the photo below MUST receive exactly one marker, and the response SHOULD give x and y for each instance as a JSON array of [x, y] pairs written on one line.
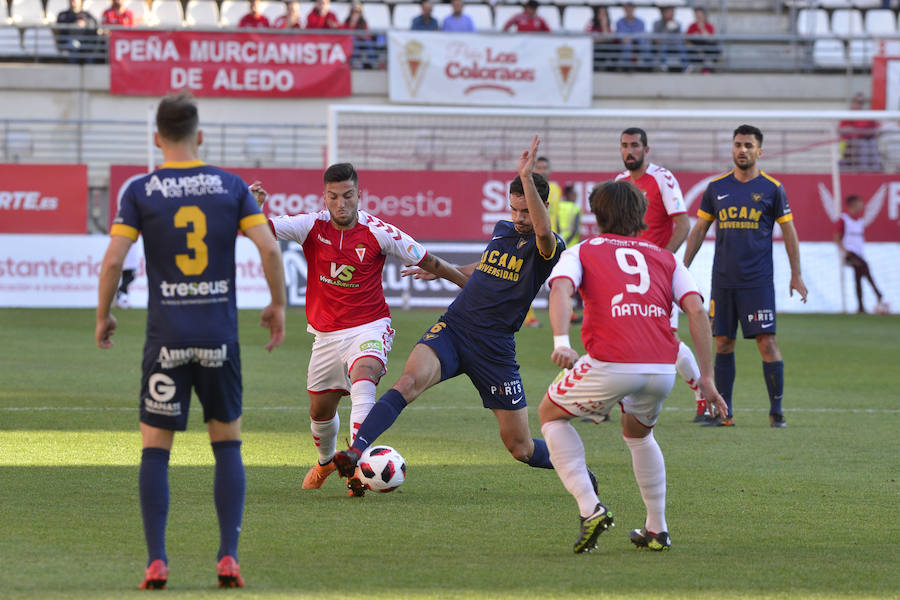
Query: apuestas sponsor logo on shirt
[[200, 184], [27, 200], [207, 357], [194, 288]]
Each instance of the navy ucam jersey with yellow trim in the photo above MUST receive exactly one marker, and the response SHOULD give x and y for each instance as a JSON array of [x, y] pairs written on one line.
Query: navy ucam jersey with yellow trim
[[502, 287], [746, 214], [189, 214]]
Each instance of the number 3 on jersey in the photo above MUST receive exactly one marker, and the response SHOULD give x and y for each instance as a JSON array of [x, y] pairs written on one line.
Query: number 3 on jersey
[[186, 216], [637, 266]]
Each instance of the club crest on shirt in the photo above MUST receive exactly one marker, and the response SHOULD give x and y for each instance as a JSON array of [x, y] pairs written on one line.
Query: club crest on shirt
[[522, 242], [757, 197], [361, 252]]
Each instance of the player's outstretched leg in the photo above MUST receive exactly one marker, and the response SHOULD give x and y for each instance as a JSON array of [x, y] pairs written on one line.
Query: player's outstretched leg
[[382, 416]]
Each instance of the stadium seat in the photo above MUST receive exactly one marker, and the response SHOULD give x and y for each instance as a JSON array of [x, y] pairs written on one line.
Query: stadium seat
[[272, 9], [880, 21], [829, 53], [862, 51], [616, 13], [481, 15], [166, 13], [847, 22], [231, 11], [685, 17], [28, 12], [140, 9], [378, 15], [201, 13], [576, 18], [4, 14], [95, 8], [503, 13], [39, 41], [403, 15], [812, 22], [10, 41], [441, 11], [551, 15], [648, 14], [867, 3], [340, 10]]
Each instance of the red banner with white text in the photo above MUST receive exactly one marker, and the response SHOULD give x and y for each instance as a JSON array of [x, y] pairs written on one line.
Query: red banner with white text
[[43, 198], [232, 64], [465, 205]]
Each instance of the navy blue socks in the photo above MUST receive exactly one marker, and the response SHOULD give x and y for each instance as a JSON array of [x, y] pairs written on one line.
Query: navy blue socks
[[724, 376], [540, 458], [380, 419], [774, 375], [229, 489], [153, 487]]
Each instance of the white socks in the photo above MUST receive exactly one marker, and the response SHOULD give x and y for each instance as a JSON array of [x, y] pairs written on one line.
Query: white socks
[[686, 365], [567, 456], [325, 436], [650, 473], [362, 399]]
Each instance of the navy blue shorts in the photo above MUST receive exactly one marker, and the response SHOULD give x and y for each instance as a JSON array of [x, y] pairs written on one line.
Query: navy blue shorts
[[169, 375], [489, 360], [753, 307]]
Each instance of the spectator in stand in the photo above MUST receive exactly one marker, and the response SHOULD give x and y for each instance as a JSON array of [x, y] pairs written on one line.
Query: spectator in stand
[[291, 17], [850, 239], [364, 53], [527, 20], [117, 14], [633, 49], [703, 52], [859, 139], [425, 22], [78, 43], [606, 49], [254, 18], [457, 21], [670, 49], [321, 16]]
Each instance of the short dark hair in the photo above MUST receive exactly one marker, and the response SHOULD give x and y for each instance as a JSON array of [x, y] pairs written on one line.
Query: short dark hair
[[543, 188], [532, 3], [619, 207], [749, 130], [853, 198], [176, 116], [340, 172], [542, 159], [636, 131]]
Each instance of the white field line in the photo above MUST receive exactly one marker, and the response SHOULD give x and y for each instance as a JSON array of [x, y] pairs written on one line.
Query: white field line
[[437, 406]]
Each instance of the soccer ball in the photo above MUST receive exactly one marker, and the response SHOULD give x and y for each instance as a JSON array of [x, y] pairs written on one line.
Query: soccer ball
[[382, 468]]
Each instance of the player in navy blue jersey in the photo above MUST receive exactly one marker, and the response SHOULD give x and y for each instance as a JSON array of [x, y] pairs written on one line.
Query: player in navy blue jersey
[[747, 203], [189, 215], [475, 336]]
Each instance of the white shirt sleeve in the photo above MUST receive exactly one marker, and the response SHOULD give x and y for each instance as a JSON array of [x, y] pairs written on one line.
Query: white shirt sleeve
[[683, 283], [393, 241], [669, 191], [569, 266], [294, 228]]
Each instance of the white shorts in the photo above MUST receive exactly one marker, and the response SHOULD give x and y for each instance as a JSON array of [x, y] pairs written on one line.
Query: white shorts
[[591, 388], [335, 352]]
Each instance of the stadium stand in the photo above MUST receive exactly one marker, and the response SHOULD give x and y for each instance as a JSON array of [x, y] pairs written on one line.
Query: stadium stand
[[576, 18], [201, 13], [11, 41], [27, 12], [166, 13]]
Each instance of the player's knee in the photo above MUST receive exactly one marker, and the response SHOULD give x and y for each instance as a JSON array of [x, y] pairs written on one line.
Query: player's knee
[[521, 452]]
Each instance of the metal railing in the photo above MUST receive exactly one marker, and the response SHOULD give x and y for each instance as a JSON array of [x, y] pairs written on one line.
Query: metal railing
[[612, 52]]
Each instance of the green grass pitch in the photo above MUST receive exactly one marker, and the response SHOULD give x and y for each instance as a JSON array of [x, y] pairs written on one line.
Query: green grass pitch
[[806, 512]]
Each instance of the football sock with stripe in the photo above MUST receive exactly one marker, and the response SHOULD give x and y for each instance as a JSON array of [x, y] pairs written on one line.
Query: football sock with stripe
[[362, 399], [540, 458], [650, 474], [567, 451], [380, 419], [774, 375], [686, 365], [229, 488], [153, 487], [724, 375], [325, 435]]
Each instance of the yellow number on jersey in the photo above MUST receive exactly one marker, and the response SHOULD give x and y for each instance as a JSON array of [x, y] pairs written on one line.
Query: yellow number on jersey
[[192, 215]]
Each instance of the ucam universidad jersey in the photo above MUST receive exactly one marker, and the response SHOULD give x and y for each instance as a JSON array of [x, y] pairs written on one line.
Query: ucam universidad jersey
[[343, 277], [508, 277], [746, 215], [664, 201], [628, 285], [189, 214]]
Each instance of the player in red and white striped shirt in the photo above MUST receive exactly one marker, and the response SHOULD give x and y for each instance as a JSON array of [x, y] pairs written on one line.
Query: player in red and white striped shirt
[[667, 227], [345, 250], [628, 286]]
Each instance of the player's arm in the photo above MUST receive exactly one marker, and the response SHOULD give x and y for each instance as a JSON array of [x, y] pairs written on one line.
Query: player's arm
[[272, 316], [695, 240], [792, 246], [441, 268], [701, 335], [561, 291], [540, 218], [679, 232], [110, 274], [419, 273]]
